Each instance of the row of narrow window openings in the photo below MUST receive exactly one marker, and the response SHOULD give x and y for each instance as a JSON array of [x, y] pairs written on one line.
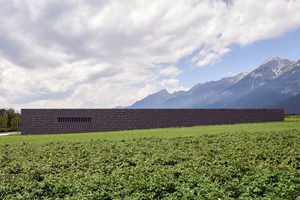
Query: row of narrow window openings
[[74, 119]]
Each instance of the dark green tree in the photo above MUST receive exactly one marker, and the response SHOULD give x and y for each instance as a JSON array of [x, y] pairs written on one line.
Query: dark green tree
[[17, 116], [4, 121], [13, 124], [2, 112], [11, 114]]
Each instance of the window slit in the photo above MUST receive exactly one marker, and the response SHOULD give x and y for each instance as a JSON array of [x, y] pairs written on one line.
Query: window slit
[[74, 119]]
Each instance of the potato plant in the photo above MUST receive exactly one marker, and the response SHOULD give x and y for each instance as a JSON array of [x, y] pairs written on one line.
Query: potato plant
[[244, 165]]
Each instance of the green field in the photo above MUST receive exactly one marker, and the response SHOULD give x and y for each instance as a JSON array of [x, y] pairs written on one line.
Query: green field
[[244, 161]]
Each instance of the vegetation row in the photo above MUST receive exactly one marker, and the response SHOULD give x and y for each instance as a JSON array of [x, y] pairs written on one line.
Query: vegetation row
[[245, 165], [9, 120]]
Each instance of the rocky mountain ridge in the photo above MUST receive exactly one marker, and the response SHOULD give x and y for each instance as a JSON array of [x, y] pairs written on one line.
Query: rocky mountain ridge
[[273, 81]]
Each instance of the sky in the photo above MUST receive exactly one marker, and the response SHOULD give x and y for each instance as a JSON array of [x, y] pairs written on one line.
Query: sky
[[103, 54]]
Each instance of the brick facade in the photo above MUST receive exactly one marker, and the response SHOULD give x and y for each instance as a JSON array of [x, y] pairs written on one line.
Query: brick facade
[[58, 121]]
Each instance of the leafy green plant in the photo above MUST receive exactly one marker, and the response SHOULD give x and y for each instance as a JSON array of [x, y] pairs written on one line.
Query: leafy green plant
[[249, 165]]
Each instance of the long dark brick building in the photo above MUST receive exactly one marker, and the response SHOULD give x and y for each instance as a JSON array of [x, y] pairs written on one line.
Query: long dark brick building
[[58, 121]]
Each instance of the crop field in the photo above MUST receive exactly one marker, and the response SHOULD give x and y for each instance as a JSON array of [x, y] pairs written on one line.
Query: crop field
[[242, 161]]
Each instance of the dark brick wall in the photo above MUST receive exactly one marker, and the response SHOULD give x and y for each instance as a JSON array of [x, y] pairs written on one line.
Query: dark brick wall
[[57, 121]]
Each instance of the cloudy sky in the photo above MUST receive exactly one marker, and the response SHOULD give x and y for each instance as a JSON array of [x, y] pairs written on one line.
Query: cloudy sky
[[102, 54]]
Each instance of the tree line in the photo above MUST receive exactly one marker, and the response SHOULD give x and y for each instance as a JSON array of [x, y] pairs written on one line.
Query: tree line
[[9, 119]]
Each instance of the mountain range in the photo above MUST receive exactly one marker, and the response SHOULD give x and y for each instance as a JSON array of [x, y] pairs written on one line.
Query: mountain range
[[273, 84]]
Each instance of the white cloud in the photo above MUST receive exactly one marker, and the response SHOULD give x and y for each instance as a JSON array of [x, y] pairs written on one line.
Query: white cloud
[[107, 53], [173, 82], [171, 70]]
